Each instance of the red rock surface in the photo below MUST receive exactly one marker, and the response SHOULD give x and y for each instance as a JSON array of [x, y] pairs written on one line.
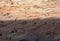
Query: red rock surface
[[18, 21]]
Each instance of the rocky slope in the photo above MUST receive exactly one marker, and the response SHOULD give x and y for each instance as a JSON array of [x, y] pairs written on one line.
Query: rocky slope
[[25, 20]]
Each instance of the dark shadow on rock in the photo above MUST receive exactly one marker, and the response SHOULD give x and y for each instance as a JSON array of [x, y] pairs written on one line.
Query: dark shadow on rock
[[30, 30]]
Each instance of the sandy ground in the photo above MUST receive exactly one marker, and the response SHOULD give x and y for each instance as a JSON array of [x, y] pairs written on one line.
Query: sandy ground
[[22, 19]]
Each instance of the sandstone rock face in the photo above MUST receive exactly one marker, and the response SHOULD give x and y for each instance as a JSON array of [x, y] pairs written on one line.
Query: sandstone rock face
[[25, 20]]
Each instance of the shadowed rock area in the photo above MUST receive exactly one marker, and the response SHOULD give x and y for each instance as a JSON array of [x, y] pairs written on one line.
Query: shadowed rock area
[[30, 30]]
